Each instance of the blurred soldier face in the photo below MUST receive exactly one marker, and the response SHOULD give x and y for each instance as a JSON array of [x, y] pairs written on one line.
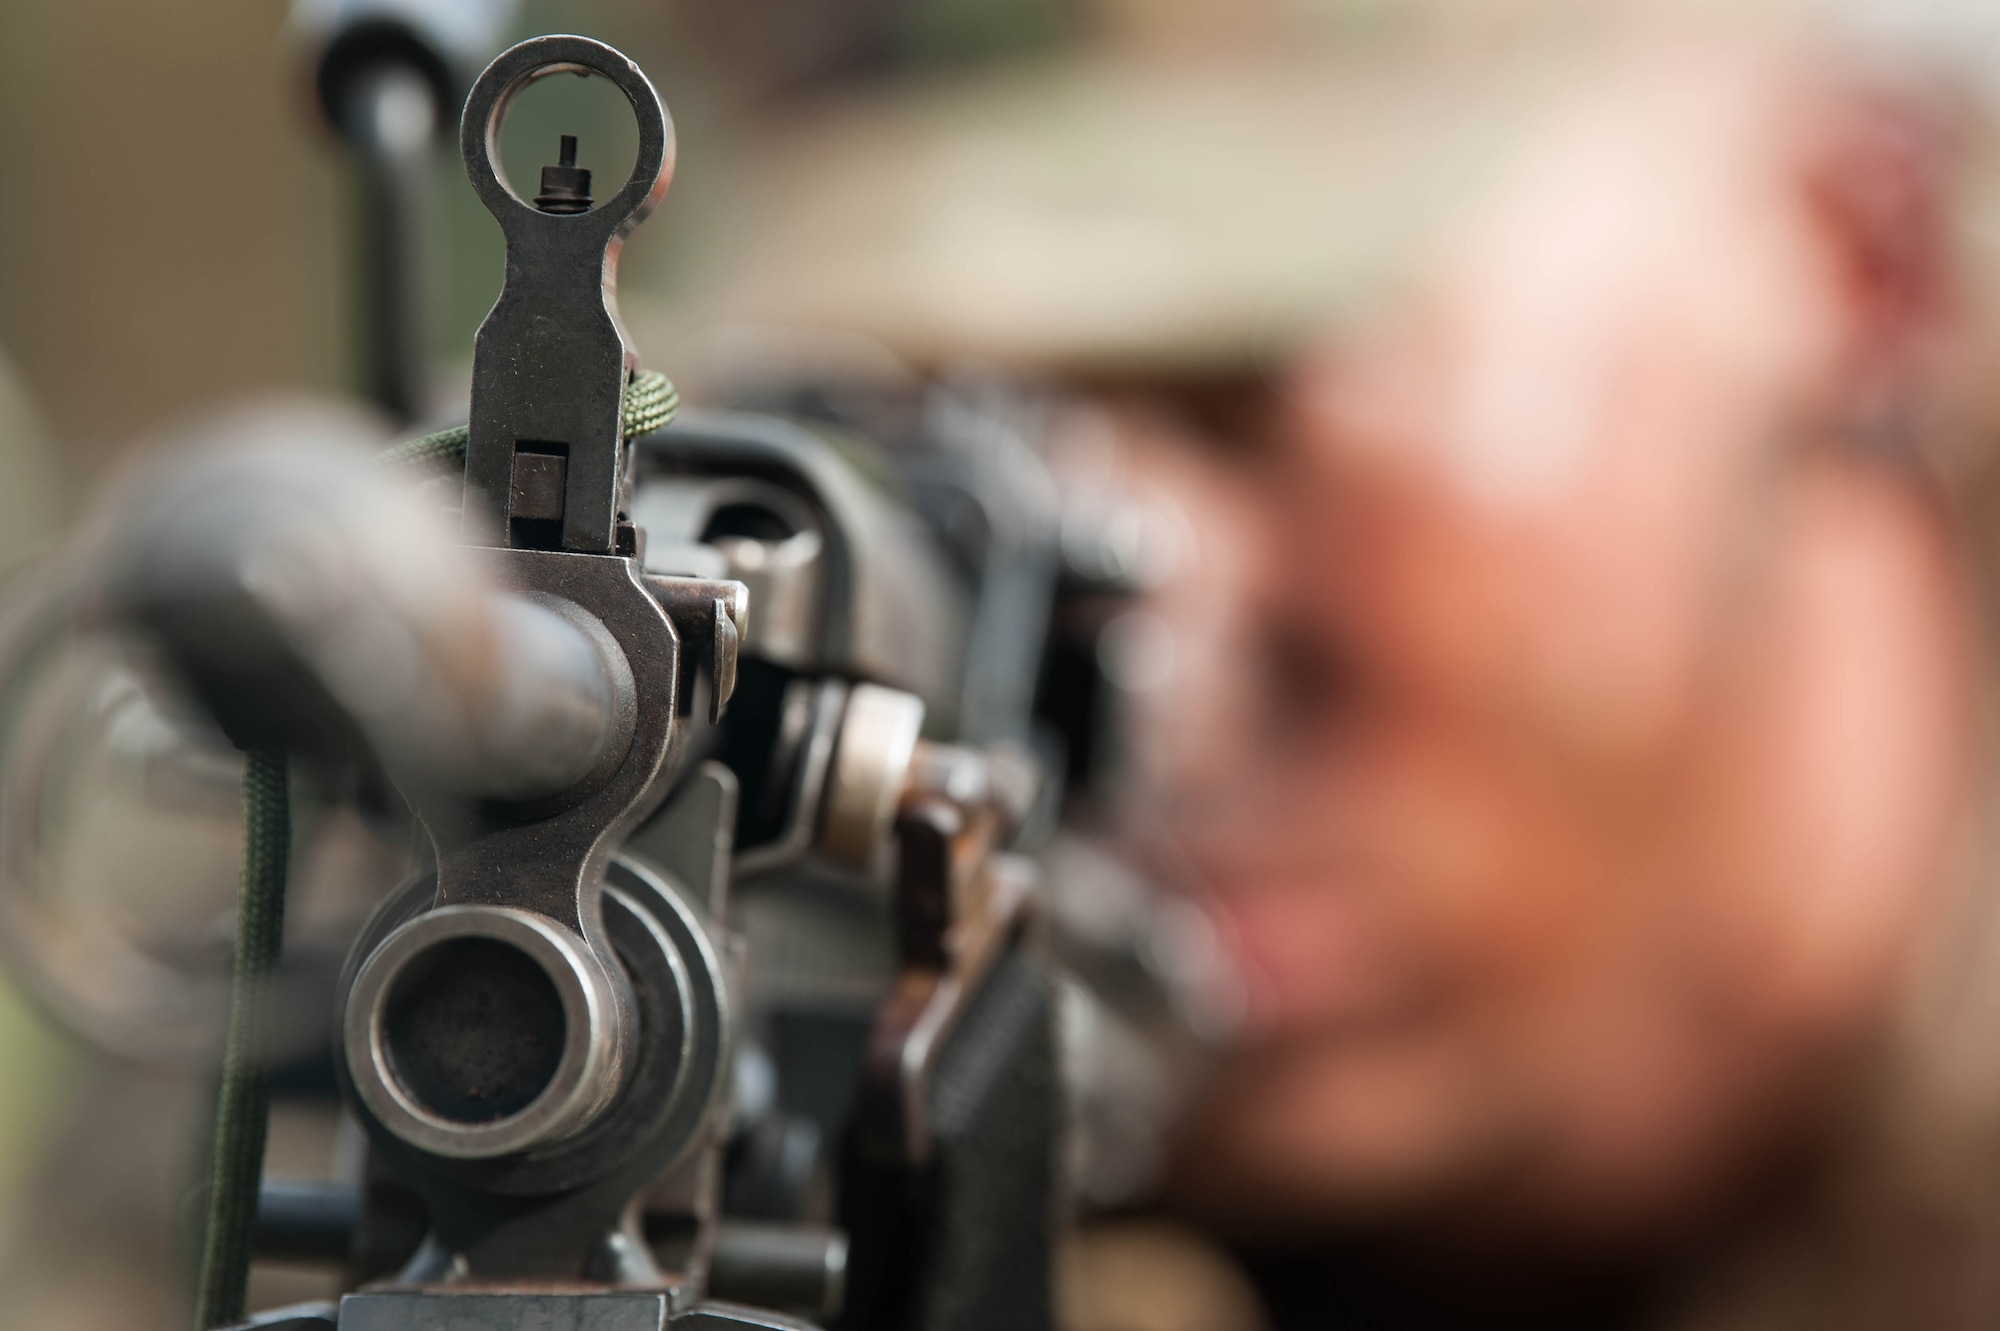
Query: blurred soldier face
[[1570, 706]]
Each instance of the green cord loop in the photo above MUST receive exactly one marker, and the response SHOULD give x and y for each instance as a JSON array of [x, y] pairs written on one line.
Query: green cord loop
[[242, 1109], [650, 402]]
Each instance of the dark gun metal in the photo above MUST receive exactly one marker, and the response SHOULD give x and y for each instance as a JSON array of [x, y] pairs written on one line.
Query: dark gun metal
[[551, 363], [537, 1032], [309, 605]]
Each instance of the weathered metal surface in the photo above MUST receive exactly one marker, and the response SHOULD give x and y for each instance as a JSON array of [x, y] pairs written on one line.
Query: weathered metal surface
[[551, 362]]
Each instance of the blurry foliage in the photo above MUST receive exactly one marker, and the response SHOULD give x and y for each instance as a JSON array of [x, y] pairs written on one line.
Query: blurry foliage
[[957, 32], [31, 1084]]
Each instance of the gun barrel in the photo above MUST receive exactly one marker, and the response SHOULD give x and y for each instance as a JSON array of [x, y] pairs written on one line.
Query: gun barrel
[[310, 602]]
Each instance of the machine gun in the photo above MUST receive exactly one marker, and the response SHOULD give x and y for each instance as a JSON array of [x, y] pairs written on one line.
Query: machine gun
[[717, 994], [653, 667]]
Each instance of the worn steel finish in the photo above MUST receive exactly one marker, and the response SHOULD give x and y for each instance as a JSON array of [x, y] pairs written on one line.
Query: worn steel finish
[[551, 1312], [506, 1312], [379, 1042], [887, 607], [537, 1036], [693, 836], [281, 583], [546, 858], [778, 559], [558, 1211], [546, 855], [534, 1180], [551, 362], [712, 609]]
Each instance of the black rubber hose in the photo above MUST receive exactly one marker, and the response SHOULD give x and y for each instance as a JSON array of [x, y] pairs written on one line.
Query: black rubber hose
[[243, 1107]]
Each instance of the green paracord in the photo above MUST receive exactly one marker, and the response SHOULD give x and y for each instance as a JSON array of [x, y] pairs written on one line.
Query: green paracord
[[242, 1110], [650, 402]]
